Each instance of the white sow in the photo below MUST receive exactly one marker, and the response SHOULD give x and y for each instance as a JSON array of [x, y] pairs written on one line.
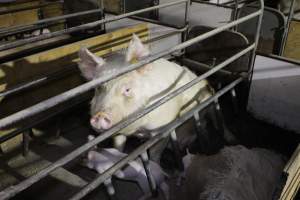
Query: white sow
[[122, 96]]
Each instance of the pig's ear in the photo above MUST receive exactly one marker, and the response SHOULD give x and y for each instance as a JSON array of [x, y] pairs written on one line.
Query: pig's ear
[[89, 63], [136, 49]]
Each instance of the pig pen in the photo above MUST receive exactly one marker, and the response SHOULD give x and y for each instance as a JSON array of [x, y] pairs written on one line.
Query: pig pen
[[57, 172]]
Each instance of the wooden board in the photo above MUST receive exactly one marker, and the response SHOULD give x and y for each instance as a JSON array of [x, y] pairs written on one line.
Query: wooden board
[[292, 47], [293, 182], [18, 18], [53, 11], [31, 67]]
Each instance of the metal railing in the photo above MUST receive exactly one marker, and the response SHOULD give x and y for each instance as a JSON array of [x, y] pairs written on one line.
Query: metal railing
[[38, 108], [85, 26]]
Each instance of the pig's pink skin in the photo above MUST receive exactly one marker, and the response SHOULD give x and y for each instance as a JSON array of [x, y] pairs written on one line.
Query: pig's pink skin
[[133, 91]]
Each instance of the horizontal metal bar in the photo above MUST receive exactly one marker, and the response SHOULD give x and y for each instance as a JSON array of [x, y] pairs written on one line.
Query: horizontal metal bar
[[96, 82], [66, 71], [161, 134], [13, 190], [85, 26], [42, 119], [188, 62], [53, 20], [42, 81], [37, 82], [29, 7], [213, 4]]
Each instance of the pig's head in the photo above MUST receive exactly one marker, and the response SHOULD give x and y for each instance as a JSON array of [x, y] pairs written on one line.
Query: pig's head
[[120, 97]]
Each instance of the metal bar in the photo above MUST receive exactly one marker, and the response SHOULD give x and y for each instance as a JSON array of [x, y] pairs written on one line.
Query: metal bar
[[96, 82], [85, 26], [213, 4], [219, 117], [61, 73], [11, 191], [176, 148], [156, 22], [163, 133], [152, 184], [53, 20], [257, 34], [234, 102], [26, 137], [203, 66], [28, 126], [28, 7], [37, 82], [286, 31]]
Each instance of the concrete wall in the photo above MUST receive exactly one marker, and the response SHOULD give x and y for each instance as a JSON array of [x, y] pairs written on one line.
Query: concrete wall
[[275, 94]]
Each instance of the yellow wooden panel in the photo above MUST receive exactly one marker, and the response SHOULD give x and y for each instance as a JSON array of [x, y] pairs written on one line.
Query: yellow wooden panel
[[293, 182], [53, 11], [292, 47], [18, 18], [113, 6]]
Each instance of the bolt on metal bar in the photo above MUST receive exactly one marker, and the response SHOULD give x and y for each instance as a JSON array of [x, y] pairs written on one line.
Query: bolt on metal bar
[[52, 20], [161, 134], [13, 190], [85, 26], [42, 106]]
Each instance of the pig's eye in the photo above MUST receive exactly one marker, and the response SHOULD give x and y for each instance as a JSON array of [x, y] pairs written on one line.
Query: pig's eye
[[127, 92]]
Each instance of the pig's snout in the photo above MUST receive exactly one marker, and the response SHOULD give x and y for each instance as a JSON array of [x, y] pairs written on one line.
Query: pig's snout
[[101, 121]]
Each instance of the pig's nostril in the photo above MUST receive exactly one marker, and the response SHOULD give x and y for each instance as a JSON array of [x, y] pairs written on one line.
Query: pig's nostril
[[94, 120]]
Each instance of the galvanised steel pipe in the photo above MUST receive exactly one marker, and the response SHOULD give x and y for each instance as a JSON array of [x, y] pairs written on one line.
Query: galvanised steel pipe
[[13, 190], [44, 105], [164, 132], [84, 26], [44, 22]]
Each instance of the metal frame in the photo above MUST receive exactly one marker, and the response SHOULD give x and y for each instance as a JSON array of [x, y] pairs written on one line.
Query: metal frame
[[287, 28], [29, 7], [161, 133], [84, 26]]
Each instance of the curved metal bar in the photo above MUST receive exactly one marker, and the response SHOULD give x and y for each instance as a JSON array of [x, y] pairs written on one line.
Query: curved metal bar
[[84, 26]]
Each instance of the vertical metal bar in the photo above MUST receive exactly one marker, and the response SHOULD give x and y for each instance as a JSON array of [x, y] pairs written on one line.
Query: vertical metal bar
[[202, 134], [219, 117], [186, 20], [176, 149], [234, 101], [287, 27], [151, 180], [253, 52], [234, 13], [26, 137], [257, 34], [110, 189]]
